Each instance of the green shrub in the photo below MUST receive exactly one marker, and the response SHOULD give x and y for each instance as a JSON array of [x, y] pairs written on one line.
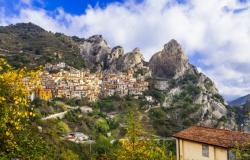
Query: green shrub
[[71, 116], [219, 97], [113, 124], [189, 78], [208, 84], [63, 127], [102, 125], [192, 89], [158, 95], [102, 147], [69, 155]]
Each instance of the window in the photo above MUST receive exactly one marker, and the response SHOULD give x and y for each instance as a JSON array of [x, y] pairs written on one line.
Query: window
[[205, 150], [231, 155]]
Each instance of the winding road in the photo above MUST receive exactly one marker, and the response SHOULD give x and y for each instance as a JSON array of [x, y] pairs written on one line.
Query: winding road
[[62, 114]]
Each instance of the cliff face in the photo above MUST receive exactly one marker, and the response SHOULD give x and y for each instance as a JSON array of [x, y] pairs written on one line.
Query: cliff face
[[132, 59], [95, 50], [187, 90], [99, 56], [169, 63]]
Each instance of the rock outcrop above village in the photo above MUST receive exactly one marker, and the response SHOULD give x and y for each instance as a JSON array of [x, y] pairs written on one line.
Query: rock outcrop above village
[[177, 90], [188, 90], [95, 51], [169, 63], [99, 56]]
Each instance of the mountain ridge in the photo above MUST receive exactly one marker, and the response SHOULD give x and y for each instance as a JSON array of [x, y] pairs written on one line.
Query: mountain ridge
[[186, 96], [240, 101]]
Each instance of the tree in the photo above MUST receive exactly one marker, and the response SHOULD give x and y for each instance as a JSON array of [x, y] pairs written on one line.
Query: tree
[[102, 149], [242, 152], [69, 154], [15, 89], [63, 127], [102, 125], [139, 146]]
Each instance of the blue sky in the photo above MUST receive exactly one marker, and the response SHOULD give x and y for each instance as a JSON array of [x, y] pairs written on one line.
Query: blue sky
[[215, 34], [76, 7]]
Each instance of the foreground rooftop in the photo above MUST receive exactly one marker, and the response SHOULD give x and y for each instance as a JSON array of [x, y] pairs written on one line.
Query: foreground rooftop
[[216, 137]]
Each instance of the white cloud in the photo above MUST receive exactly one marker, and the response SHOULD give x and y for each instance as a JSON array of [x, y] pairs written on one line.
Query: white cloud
[[2, 20], [217, 32]]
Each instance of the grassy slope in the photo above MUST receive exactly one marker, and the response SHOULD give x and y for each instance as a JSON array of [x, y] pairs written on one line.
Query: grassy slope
[[28, 45]]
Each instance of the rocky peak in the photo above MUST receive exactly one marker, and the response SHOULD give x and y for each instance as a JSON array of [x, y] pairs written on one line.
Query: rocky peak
[[173, 48], [137, 55], [115, 54], [136, 50], [171, 62], [94, 50], [130, 60], [172, 44], [96, 39], [117, 48]]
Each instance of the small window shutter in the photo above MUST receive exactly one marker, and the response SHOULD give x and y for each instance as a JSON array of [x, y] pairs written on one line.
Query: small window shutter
[[205, 150]]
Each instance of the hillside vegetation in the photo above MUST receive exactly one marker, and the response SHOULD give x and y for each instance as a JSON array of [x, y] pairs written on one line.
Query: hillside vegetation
[[29, 45]]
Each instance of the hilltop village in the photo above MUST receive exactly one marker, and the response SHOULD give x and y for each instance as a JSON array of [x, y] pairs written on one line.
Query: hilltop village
[[62, 81]]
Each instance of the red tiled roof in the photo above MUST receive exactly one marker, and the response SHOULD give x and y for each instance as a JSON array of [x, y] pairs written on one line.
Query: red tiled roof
[[212, 136]]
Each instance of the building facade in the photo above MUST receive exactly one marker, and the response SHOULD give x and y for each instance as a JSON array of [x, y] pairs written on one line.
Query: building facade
[[44, 94], [202, 143]]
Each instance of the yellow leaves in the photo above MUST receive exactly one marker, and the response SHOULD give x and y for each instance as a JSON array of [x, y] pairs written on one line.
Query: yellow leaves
[[15, 88], [18, 127], [19, 113], [31, 114], [26, 114], [7, 133], [4, 64], [2, 99], [16, 100]]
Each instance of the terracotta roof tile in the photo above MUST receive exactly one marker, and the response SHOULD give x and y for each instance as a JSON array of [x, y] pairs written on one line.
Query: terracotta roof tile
[[212, 136]]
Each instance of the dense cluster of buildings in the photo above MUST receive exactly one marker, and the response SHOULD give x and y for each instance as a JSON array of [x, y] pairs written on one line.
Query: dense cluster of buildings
[[121, 84], [60, 81]]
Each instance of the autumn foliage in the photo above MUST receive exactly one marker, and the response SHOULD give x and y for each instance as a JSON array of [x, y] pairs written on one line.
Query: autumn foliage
[[15, 88]]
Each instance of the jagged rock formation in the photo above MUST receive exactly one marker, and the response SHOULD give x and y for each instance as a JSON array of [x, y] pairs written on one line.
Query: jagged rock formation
[[171, 62], [112, 58], [94, 51], [132, 59], [187, 90], [99, 56]]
